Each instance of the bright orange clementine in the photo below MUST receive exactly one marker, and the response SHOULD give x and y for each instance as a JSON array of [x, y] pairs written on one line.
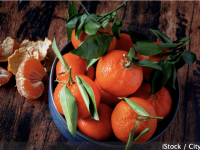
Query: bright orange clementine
[[84, 35], [123, 121], [5, 76], [82, 109], [29, 78], [97, 130], [124, 43], [116, 78], [107, 98], [78, 65]]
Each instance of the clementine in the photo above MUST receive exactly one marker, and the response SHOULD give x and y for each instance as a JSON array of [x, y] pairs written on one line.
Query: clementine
[[123, 120], [115, 76], [82, 109], [5, 76], [97, 130], [29, 78], [124, 43]]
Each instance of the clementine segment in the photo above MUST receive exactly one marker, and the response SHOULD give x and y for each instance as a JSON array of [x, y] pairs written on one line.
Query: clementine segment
[[29, 78], [5, 76], [113, 77], [78, 65], [97, 130], [123, 121], [82, 109], [124, 43]]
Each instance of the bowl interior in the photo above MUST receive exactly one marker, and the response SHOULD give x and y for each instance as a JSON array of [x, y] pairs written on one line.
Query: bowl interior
[[113, 141]]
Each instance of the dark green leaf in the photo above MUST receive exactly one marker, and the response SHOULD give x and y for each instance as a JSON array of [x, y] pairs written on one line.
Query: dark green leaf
[[90, 62], [161, 36], [116, 29], [92, 27], [169, 45], [135, 36], [105, 24], [88, 96], [93, 46], [91, 17], [130, 139], [137, 108], [172, 59], [70, 109], [147, 49], [174, 78], [69, 33], [189, 57], [131, 53], [180, 63], [80, 25], [71, 23], [183, 39], [148, 63]]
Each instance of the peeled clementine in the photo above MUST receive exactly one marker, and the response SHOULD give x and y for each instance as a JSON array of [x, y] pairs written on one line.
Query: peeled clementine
[[5, 76]]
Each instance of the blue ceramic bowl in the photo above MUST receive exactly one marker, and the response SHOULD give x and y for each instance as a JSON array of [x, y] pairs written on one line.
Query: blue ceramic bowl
[[83, 142]]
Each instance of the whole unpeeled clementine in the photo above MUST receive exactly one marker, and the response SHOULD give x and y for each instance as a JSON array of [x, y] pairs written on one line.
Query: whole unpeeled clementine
[[82, 109], [123, 121], [124, 43], [78, 65], [115, 77], [97, 130]]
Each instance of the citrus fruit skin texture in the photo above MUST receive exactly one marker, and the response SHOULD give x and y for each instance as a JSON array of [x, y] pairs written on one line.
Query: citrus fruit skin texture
[[84, 35], [97, 130], [107, 98], [29, 78], [5, 76], [162, 103], [124, 43], [78, 65], [82, 109], [123, 121], [113, 77]]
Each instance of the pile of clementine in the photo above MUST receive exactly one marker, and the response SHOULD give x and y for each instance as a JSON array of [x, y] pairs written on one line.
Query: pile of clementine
[[113, 76]]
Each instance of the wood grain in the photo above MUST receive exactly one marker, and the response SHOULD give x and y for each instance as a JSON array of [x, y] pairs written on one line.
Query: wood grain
[[28, 124]]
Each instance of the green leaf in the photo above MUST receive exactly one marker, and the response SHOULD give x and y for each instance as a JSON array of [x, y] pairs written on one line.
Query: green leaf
[[131, 53], [183, 39], [93, 46], [137, 108], [92, 27], [58, 54], [159, 78], [80, 25], [174, 58], [130, 139], [88, 96], [90, 62], [116, 29], [161, 36], [136, 36], [70, 109], [147, 49], [174, 78], [69, 33], [71, 23], [148, 63], [189, 57], [105, 24], [141, 134], [169, 45]]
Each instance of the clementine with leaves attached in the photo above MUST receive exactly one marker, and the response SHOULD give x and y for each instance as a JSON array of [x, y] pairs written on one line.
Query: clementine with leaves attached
[[84, 35], [82, 109], [5, 76], [123, 120], [29, 78], [124, 43], [78, 65], [116, 75], [97, 130]]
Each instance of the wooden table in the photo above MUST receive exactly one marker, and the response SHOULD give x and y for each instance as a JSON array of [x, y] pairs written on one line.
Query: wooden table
[[27, 124]]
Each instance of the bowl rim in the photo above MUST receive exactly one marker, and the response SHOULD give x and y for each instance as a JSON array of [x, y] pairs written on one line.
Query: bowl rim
[[90, 139]]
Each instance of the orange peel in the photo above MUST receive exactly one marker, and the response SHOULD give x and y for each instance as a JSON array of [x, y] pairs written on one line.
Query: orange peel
[[40, 45], [5, 76], [8, 46], [19, 56]]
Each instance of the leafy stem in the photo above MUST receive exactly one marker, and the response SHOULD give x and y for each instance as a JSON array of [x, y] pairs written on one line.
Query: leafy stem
[[140, 118]]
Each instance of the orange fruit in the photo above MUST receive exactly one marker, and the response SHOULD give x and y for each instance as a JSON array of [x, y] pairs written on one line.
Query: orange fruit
[[147, 71], [124, 43], [143, 92], [113, 77], [97, 130], [5, 76], [84, 35], [78, 65], [29, 78], [123, 121], [82, 109], [107, 98]]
